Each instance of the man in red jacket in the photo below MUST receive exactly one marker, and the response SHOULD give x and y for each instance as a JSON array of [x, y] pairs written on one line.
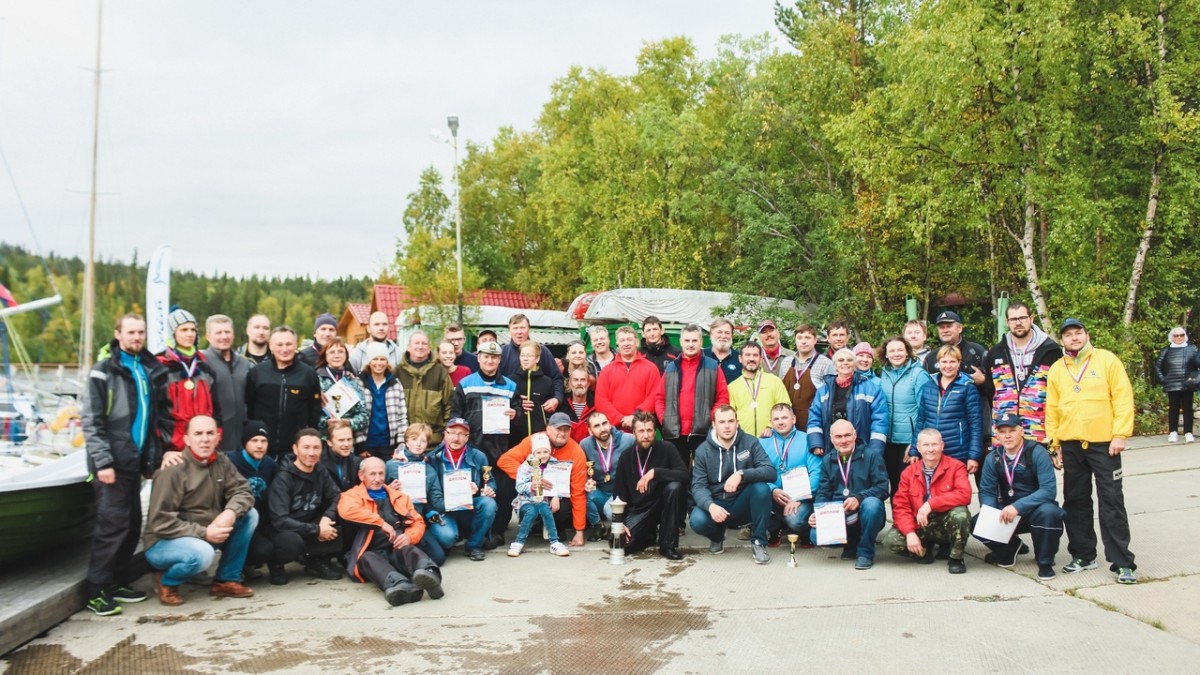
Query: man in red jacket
[[930, 506], [628, 383]]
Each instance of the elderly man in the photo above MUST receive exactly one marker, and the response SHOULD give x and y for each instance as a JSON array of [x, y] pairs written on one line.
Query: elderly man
[[572, 513], [720, 331], [603, 447], [377, 333], [628, 383], [427, 386], [930, 506], [196, 507], [229, 378], [258, 332], [389, 528], [731, 485], [754, 393], [690, 390], [651, 479], [1089, 414], [1017, 478], [302, 501], [855, 477], [324, 328]]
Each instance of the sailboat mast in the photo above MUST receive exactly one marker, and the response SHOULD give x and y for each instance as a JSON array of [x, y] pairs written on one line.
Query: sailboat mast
[[89, 274]]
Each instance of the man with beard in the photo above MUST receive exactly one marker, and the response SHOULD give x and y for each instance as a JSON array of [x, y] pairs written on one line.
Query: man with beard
[[1019, 364], [258, 331], [804, 372], [603, 447], [720, 331], [302, 501], [580, 403], [377, 333], [773, 352], [283, 392], [754, 393], [650, 479], [731, 485], [655, 346]]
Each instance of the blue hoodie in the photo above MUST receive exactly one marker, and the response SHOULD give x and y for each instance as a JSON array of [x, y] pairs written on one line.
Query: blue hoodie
[[797, 455]]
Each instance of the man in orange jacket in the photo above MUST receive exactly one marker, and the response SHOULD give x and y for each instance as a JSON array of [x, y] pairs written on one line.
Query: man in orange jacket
[[385, 549], [571, 513], [930, 506]]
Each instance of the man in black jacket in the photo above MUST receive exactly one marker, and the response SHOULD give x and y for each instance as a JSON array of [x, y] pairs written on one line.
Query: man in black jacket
[[126, 397], [303, 501], [732, 479], [655, 346], [650, 478], [283, 392]]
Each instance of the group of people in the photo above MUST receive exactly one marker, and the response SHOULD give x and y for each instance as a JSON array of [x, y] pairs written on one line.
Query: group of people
[[376, 460]]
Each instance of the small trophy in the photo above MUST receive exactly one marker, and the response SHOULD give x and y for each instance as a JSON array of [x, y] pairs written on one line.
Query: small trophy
[[590, 474], [537, 476], [337, 404], [487, 473], [792, 538]]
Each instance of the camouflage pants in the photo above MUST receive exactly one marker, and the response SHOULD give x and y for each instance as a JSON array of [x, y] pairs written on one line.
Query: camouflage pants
[[951, 527]]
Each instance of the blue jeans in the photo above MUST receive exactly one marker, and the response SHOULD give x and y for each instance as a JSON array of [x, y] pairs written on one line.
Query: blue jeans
[[870, 521], [752, 505], [597, 502], [793, 523], [185, 557], [532, 513], [477, 522]]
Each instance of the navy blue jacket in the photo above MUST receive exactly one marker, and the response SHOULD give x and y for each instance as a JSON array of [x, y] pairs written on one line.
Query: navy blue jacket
[[1034, 480], [866, 408], [956, 415], [868, 478]]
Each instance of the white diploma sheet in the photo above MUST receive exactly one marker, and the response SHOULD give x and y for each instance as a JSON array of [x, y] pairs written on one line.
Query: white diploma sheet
[[831, 524], [989, 527], [456, 488], [796, 485]]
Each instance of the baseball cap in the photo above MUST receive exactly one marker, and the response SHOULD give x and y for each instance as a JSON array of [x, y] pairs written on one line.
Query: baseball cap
[[766, 324], [948, 316], [559, 419], [1008, 420], [1070, 323], [458, 422]]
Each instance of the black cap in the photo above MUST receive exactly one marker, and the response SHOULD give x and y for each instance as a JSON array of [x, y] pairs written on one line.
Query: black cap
[[1070, 323], [254, 428], [947, 317], [1008, 420]]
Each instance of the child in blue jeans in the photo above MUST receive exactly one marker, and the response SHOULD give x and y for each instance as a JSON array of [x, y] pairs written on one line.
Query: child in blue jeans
[[530, 505]]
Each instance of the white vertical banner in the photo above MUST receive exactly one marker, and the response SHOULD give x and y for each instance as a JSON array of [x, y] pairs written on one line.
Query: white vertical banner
[[158, 299]]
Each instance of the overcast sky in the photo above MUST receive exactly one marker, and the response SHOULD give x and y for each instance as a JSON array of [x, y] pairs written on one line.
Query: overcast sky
[[282, 137]]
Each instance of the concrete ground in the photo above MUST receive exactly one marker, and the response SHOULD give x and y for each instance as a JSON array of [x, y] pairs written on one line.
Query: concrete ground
[[538, 613]]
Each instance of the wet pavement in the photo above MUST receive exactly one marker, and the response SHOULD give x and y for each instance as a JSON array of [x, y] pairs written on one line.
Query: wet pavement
[[704, 614]]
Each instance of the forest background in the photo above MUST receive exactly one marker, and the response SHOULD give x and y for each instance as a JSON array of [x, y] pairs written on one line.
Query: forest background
[[895, 148]]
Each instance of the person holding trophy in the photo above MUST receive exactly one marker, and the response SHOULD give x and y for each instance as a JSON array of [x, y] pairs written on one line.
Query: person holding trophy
[[537, 498]]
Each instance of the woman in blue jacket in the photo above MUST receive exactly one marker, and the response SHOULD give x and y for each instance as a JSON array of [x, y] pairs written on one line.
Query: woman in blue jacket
[[845, 394], [902, 380], [950, 404]]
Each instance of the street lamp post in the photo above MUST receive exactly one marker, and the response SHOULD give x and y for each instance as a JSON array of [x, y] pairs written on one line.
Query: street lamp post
[[452, 122]]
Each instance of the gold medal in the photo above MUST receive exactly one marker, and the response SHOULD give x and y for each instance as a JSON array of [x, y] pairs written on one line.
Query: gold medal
[[607, 478], [189, 385]]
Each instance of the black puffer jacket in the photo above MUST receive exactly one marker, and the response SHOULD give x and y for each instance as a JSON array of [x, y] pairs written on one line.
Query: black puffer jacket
[[1173, 366]]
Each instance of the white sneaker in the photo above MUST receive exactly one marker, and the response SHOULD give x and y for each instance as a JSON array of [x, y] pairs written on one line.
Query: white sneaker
[[560, 549], [1188, 438], [1172, 437], [515, 548]]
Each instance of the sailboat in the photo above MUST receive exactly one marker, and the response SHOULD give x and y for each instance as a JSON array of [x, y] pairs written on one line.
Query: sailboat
[[52, 502]]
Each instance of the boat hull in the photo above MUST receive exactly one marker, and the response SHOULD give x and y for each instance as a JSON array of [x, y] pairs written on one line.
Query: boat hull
[[35, 520]]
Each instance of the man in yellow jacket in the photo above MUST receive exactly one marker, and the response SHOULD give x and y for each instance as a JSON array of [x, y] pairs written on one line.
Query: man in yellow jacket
[[754, 393], [1089, 414]]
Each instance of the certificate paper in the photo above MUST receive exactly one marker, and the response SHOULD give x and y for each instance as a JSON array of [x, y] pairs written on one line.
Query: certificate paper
[[831, 524], [559, 475], [456, 488], [495, 415], [796, 485], [412, 481], [989, 527], [339, 399]]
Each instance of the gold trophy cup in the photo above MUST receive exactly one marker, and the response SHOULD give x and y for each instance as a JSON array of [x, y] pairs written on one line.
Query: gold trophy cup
[[792, 539], [537, 476]]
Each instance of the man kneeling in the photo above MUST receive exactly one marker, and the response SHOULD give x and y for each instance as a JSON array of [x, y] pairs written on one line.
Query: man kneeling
[[185, 524], [930, 505], [385, 550]]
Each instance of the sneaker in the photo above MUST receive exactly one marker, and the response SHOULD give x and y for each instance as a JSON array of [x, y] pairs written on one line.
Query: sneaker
[[1125, 575], [1173, 437], [559, 549], [474, 554], [1188, 438], [744, 534], [1046, 572], [863, 563], [760, 553], [430, 582], [1000, 560], [716, 547], [277, 575], [957, 566], [515, 548], [1079, 565], [104, 605], [125, 594]]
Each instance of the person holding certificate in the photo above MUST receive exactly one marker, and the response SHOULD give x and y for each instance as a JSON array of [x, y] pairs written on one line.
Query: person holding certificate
[[854, 477], [930, 505], [469, 500], [1017, 482], [573, 512], [412, 471], [342, 396], [731, 484], [799, 475]]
